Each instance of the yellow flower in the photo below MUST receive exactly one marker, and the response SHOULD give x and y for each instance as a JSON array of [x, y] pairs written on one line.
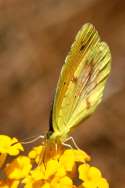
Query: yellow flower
[[61, 172], [38, 173], [51, 168], [92, 177], [27, 181], [35, 153], [70, 156], [46, 185], [43, 172], [49, 165], [53, 172], [18, 168], [9, 145], [81, 156], [100, 183], [64, 182]]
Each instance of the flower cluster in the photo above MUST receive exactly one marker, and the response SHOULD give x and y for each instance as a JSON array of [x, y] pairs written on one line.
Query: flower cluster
[[48, 165]]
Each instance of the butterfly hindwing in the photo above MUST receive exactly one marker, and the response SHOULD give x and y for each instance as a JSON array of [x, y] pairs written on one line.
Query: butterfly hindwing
[[82, 81]]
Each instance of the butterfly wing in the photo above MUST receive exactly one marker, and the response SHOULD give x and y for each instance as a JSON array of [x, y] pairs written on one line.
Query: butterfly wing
[[82, 81]]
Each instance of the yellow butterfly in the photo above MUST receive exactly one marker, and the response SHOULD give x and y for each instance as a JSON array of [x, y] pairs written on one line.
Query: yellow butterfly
[[81, 83]]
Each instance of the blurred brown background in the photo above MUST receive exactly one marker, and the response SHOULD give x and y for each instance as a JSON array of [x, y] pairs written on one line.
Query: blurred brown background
[[35, 36]]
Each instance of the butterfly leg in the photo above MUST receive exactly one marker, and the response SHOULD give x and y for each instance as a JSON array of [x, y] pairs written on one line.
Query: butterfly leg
[[41, 157], [67, 145], [32, 139], [73, 141]]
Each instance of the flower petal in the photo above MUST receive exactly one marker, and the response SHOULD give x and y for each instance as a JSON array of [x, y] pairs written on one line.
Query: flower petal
[[94, 173], [67, 159], [35, 153], [9, 145], [83, 172], [51, 168], [81, 156], [19, 168]]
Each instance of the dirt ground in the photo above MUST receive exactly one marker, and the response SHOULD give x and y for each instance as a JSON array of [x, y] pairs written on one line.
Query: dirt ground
[[35, 36]]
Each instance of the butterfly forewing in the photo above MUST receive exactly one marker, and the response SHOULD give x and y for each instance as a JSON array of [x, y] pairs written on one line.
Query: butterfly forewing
[[82, 80]]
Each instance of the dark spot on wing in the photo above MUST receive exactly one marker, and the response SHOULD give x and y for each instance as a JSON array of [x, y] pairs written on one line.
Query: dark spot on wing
[[74, 79], [82, 47], [86, 43]]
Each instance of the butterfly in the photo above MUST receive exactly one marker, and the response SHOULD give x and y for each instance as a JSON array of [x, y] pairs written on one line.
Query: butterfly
[[81, 82]]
